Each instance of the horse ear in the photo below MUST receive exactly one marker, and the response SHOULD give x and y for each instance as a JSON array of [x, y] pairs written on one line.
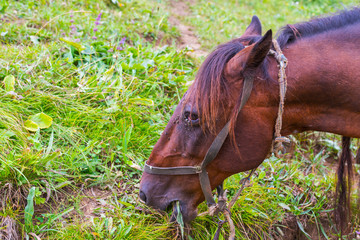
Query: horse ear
[[259, 51], [249, 58], [254, 28]]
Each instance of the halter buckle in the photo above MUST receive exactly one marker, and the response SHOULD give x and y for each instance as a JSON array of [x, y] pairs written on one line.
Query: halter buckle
[[198, 169]]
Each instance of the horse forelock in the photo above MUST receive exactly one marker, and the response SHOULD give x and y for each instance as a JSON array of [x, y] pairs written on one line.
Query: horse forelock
[[209, 93]]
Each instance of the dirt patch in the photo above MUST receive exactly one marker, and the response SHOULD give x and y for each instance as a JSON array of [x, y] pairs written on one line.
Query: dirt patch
[[91, 202], [87, 202], [94, 202], [180, 9], [289, 228]]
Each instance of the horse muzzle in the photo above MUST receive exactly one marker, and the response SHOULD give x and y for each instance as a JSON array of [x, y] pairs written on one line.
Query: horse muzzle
[[167, 202]]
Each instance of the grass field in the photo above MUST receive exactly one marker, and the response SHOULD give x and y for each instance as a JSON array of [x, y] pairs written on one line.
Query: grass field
[[87, 88]]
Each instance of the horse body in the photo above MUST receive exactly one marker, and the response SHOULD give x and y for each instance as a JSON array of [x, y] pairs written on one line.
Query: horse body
[[323, 94], [324, 83]]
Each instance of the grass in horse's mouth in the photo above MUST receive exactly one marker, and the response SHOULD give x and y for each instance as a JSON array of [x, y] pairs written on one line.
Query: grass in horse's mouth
[[176, 215], [172, 208], [179, 217]]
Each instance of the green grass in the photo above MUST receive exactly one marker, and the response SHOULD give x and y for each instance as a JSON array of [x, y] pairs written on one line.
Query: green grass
[[219, 21], [108, 108]]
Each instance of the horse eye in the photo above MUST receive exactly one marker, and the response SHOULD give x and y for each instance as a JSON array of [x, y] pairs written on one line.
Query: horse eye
[[191, 118]]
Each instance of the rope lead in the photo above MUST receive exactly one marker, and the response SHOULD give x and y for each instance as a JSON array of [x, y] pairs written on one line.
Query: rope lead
[[278, 143]]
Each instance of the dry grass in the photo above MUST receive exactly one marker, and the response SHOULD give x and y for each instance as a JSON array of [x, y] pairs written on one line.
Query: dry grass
[[8, 229]]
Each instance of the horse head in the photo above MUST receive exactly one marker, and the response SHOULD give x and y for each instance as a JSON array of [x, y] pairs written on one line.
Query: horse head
[[209, 104]]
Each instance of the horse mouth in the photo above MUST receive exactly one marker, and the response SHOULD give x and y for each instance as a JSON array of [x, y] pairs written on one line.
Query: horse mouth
[[176, 210], [173, 207], [181, 212]]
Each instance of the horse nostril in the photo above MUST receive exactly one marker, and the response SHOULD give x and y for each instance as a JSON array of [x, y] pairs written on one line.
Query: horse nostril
[[142, 196]]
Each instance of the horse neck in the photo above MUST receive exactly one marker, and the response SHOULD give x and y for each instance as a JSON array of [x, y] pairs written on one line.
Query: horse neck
[[323, 91]]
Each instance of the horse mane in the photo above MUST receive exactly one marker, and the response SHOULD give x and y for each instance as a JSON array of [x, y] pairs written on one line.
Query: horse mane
[[209, 88], [292, 32]]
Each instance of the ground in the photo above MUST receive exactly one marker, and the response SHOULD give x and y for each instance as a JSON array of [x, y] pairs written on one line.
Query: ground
[[187, 37]]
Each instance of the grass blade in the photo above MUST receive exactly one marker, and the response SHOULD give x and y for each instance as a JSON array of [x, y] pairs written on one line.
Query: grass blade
[[302, 229], [179, 219], [29, 210]]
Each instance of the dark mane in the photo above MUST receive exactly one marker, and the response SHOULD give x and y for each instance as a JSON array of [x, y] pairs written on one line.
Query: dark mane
[[290, 33], [209, 88]]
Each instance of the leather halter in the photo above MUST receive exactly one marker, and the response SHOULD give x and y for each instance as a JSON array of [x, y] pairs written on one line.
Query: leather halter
[[210, 155], [220, 138]]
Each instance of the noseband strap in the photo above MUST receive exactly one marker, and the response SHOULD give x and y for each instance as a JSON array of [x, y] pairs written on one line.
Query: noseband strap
[[186, 170]]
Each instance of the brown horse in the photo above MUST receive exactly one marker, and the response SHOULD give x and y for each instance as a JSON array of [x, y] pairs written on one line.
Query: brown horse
[[323, 94]]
